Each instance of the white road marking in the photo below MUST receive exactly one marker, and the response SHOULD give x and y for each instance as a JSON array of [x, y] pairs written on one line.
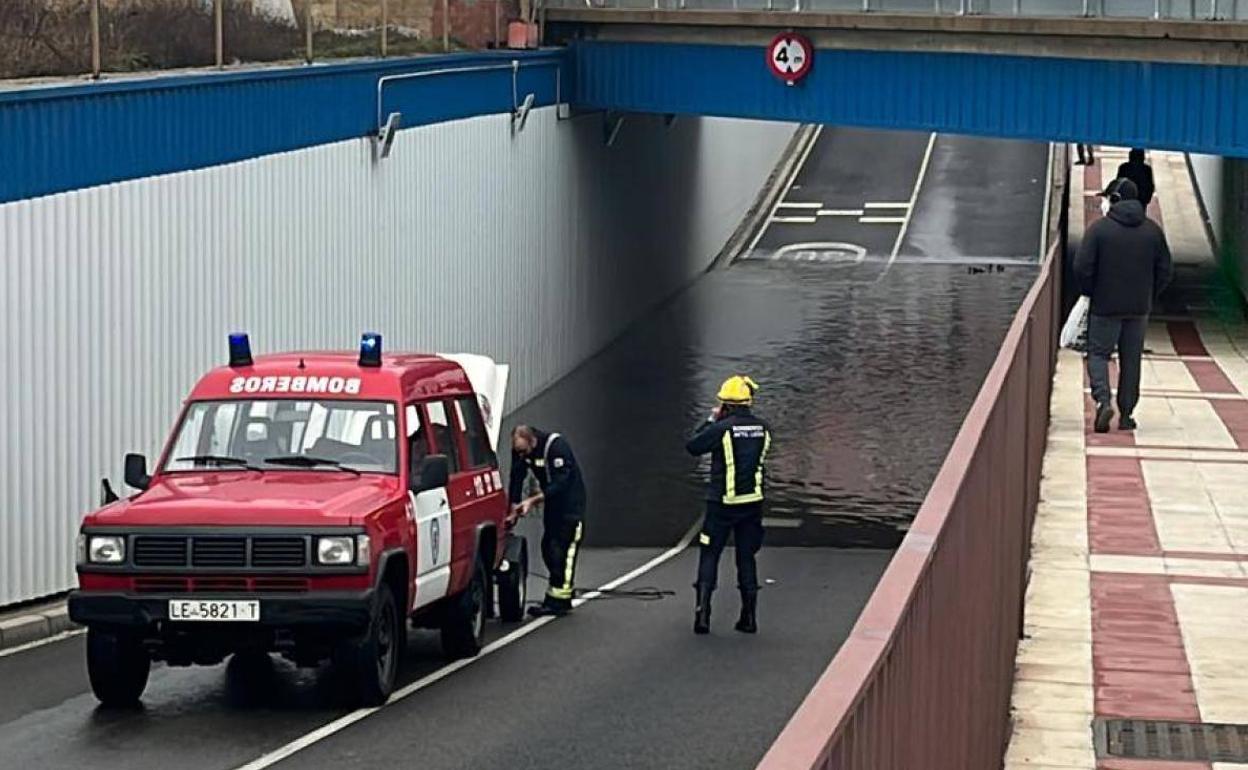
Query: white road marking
[[821, 252], [797, 169], [799, 205], [794, 220], [902, 205], [882, 220], [914, 196], [41, 642], [839, 213], [337, 725], [777, 523]]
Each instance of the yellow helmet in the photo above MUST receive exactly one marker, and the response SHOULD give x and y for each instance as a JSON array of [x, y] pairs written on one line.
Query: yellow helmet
[[737, 389]]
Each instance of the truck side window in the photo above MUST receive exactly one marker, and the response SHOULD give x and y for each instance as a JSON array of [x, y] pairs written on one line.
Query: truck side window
[[443, 433], [473, 427], [417, 442]]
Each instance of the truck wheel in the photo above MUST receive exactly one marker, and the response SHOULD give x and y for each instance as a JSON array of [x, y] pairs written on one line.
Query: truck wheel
[[463, 628], [117, 666], [513, 588], [370, 663]]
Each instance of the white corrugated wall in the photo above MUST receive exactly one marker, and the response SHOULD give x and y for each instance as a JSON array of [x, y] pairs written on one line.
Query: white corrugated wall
[[536, 250]]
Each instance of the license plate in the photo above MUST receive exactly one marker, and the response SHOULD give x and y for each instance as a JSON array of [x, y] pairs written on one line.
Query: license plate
[[220, 610]]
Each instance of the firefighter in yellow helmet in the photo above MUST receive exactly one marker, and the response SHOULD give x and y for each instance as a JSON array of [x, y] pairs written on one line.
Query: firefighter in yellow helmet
[[737, 442]]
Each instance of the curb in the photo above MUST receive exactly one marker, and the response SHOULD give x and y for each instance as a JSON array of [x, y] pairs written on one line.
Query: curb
[[35, 625]]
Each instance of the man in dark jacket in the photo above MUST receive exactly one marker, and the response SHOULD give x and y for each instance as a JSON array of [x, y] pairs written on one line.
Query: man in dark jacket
[[737, 442], [548, 456], [1139, 172], [1122, 265]]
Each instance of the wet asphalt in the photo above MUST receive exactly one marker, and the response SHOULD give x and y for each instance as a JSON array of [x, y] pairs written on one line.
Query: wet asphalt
[[867, 367]]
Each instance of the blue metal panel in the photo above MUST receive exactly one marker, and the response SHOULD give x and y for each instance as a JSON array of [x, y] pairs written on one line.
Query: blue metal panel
[[1192, 107], [62, 138]]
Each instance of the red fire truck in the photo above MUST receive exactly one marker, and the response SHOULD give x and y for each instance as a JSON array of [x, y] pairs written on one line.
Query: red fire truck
[[307, 504]]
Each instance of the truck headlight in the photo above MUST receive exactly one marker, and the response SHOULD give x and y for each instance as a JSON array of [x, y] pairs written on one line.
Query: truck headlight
[[335, 550], [106, 549]]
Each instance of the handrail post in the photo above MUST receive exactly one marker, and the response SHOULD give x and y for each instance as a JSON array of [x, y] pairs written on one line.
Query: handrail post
[[385, 28], [962, 7], [96, 57], [218, 23], [446, 25], [1156, 9], [307, 31]]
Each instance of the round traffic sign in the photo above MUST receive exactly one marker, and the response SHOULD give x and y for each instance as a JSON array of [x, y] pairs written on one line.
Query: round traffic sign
[[790, 56]]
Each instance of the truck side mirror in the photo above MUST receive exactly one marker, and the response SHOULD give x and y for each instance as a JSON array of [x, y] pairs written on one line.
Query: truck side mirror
[[136, 472], [435, 472]]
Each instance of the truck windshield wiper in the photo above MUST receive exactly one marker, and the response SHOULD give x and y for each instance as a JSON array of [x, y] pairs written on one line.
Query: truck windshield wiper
[[216, 460], [306, 461]]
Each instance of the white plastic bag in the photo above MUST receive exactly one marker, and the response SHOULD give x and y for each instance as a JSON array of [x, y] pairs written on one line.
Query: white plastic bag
[[1075, 322]]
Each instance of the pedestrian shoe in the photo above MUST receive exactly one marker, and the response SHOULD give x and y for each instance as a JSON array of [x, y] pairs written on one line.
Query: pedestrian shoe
[[542, 610], [1126, 423], [702, 614], [748, 623], [1104, 413]]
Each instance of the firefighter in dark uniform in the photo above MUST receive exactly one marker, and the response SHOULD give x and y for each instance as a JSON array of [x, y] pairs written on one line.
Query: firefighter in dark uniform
[[548, 456], [737, 442]]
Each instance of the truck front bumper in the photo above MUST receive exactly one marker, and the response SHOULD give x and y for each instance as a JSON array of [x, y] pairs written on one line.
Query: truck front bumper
[[347, 611]]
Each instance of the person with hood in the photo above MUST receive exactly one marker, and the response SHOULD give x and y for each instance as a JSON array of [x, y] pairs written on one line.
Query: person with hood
[[1139, 172], [1122, 265]]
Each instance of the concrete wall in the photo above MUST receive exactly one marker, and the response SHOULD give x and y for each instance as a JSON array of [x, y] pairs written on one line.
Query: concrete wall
[[536, 249], [1233, 233], [1207, 170]]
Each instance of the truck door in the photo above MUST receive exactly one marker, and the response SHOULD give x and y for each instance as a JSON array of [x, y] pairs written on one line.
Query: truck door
[[459, 535], [430, 512]]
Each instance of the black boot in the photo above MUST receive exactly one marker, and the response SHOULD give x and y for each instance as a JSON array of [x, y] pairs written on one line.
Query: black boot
[[702, 614], [748, 623]]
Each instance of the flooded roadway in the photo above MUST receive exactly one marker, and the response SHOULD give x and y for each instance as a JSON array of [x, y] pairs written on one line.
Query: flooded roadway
[[866, 366]]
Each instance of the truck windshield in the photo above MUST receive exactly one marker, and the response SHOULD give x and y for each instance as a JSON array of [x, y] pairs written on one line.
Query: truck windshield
[[287, 434]]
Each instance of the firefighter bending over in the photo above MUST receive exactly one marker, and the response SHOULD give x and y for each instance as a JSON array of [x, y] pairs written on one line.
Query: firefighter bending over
[[548, 456], [737, 442]]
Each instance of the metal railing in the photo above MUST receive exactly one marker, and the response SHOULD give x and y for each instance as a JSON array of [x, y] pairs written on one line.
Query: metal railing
[[1180, 10], [58, 38], [924, 679]]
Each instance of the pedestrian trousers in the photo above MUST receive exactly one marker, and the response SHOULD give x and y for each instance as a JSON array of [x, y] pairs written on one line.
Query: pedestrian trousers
[[1127, 335], [561, 538], [745, 524]]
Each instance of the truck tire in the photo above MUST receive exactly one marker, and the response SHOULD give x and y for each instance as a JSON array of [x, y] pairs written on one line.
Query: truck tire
[[117, 666], [513, 588], [370, 663], [463, 627]]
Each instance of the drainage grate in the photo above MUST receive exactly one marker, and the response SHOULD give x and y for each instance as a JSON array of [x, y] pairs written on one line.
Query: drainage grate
[[1147, 739]]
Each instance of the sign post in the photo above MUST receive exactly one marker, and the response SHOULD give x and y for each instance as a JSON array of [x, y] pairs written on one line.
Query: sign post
[[790, 57]]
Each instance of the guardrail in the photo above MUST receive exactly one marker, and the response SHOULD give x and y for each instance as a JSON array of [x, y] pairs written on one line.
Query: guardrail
[[924, 679], [1170, 10]]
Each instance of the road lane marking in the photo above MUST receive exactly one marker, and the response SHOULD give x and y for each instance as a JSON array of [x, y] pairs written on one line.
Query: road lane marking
[[345, 721], [799, 205], [821, 251], [914, 197], [839, 213], [797, 169], [882, 220], [794, 220], [902, 205], [41, 642]]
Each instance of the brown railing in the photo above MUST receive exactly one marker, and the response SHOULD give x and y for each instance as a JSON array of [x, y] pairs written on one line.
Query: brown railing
[[923, 681]]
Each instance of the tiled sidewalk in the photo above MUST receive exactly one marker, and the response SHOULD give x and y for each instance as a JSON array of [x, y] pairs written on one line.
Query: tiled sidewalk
[[1137, 605]]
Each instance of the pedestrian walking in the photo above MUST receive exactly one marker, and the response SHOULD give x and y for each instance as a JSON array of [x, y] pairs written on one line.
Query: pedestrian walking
[[1086, 156], [548, 456], [1123, 264], [737, 442], [1139, 172]]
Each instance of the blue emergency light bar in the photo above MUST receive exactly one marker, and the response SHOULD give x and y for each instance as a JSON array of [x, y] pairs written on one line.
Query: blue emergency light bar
[[370, 349], [240, 350]]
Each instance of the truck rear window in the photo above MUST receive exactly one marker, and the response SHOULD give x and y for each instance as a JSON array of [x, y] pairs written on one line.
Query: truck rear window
[[286, 434]]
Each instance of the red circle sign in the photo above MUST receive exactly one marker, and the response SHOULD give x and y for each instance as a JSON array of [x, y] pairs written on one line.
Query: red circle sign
[[790, 56]]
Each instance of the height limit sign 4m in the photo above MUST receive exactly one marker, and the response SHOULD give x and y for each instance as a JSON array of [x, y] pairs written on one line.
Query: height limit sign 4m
[[790, 56]]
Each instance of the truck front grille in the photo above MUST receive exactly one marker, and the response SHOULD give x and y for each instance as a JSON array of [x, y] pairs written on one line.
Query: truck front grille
[[279, 551], [158, 551], [219, 551]]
